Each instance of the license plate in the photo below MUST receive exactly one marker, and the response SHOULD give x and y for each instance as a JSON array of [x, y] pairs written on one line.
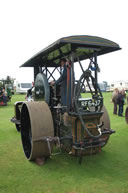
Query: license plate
[[90, 103]]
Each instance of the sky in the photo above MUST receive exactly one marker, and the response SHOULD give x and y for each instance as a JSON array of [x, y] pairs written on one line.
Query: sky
[[28, 26]]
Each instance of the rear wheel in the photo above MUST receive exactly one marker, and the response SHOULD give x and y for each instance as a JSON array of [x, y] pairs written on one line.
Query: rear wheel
[[106, 125], [126, 115]]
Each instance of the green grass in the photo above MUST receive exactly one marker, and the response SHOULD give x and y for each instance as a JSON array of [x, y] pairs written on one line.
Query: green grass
[[106, 172]]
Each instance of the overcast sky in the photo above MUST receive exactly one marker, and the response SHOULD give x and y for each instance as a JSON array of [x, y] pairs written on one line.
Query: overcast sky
[[27, 26]]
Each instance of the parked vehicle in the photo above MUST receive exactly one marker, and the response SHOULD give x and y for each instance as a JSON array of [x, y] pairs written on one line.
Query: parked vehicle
[[122, 84], [22, 87]]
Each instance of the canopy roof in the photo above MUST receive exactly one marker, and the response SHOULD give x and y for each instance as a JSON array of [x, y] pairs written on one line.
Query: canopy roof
[[82, 46]]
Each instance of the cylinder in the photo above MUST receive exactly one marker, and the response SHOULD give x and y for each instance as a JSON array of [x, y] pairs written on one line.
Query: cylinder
[[36, 127]]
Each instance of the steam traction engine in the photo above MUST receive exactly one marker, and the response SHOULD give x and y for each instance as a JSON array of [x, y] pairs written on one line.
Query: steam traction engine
[[80, 127]]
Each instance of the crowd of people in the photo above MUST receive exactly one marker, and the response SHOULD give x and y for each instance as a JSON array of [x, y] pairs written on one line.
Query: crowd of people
[[118, 99]]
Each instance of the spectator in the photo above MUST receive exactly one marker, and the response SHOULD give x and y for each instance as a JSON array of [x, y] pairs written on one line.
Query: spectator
[[124, 94], [4, 95], [120, 102], [114, 100], [29, 93]]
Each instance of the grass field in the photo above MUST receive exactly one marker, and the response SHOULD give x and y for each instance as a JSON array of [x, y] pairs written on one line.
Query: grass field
[[106, 172]]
